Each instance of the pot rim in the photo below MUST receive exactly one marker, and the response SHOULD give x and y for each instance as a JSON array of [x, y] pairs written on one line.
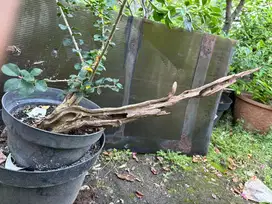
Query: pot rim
[[59, 134], [247, 98]]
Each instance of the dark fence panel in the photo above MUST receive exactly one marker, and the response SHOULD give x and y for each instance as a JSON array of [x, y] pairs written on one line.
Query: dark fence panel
[[147, 58]]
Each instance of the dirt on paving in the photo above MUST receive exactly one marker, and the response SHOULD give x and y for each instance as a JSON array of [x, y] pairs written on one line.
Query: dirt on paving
[[102, 185]]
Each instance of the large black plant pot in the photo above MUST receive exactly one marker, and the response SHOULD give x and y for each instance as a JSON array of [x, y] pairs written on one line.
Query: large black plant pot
[[39, 149], [59, 186]]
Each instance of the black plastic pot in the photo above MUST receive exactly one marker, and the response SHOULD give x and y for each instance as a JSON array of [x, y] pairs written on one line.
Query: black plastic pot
[[59, 186], [224, 104], [39, 149]]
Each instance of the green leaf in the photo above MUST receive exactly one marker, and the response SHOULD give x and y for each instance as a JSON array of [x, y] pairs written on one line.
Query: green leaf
[[187, 3], [82, 73], [11, 69], [36, 72], [60, 4], [41, 85], [81, 42], [67, 42], [204, 2], [112, 44], [216, 9], [100, 81], [12, 84], [77, 33], [62, 27], [120, 86], [27, 76], [161, 1], [158, 16], [26, 88], [109, 79], [77, 66], [97, 37], [99, 91]]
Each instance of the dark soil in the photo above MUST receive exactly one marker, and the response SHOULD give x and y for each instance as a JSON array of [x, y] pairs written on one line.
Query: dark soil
[[21, 114]]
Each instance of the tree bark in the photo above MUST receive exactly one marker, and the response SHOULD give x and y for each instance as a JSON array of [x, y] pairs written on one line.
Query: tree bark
[[230, 17], [69, 117]]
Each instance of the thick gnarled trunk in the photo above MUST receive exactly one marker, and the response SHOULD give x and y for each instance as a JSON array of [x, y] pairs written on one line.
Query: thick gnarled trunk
[[69, 116]]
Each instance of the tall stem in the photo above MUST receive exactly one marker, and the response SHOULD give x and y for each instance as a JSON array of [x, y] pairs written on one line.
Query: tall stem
[[71, 33], [104, 50]]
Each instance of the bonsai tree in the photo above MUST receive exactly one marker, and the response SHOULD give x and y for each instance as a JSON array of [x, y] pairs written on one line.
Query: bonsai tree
[[69, 114]]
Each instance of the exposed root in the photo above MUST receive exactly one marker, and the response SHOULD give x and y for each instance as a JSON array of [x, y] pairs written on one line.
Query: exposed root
[[69, 116]]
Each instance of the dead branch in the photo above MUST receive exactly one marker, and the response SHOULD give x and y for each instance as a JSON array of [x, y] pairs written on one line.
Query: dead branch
[[67, 118]]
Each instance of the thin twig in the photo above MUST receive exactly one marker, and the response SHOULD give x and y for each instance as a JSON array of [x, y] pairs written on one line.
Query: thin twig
[[103, 31], [103, 52], [144, 9], [56, 80], [237, 10], [104, 86], [129, 8], [71, 33]]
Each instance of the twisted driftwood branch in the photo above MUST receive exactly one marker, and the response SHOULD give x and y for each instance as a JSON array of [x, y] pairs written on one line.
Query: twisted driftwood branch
[[72, 117]]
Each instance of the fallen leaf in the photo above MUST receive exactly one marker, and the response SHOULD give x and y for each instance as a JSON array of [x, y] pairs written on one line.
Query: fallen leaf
[[2, 157], [127, 177], [214, 196], [217, 151], [139, 194], [160, 159], [219, 174], [198, 159], [107, 153], [204, 159], [235, 179], [241, 186], [134, 156], [97, 167], [232, 165], [235, 190], [153, 170], [249, 156], [156, 185], [85, 188], [123, 166], [166, 168]]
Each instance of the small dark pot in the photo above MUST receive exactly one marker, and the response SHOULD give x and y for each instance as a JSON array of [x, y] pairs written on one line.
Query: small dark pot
[[224, 104], [59, 186], [39, 149]]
